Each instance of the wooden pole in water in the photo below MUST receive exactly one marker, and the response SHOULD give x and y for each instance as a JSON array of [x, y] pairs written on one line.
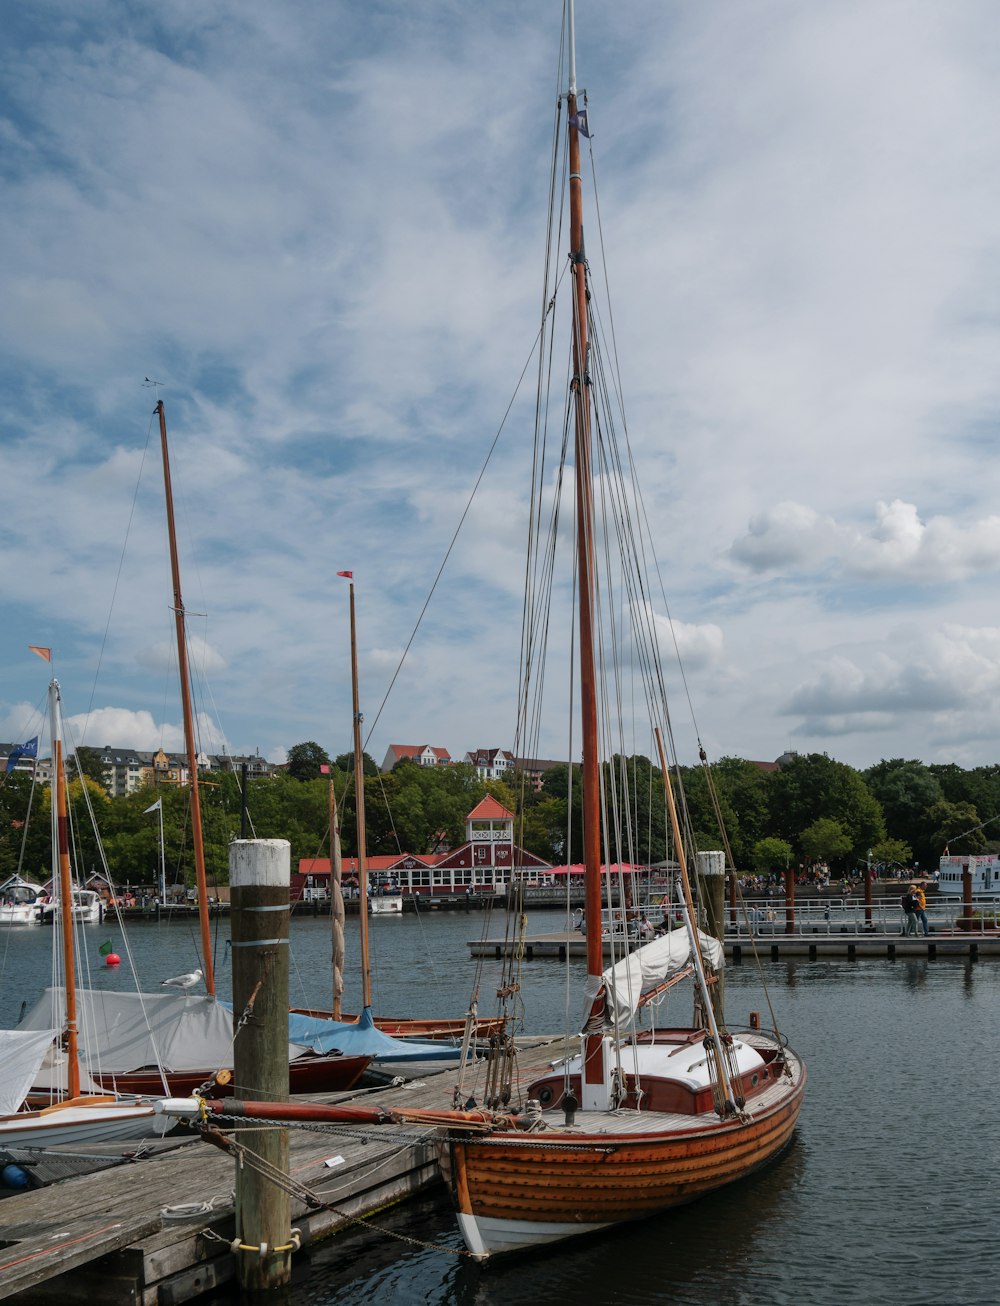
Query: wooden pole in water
[[259, 877], [712, 878], [336, 906], [966, 897], [790, 900]]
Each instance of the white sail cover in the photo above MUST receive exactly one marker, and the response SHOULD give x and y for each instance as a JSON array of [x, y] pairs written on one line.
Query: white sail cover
[[120, 1032], [22, 1052], [648, 967]]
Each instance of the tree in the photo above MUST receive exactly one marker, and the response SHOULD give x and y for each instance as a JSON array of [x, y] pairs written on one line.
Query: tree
[[825, 840], [908, 791], [89, 763], [892, 852], [771, 854], [956, 826], [305, 760], [742, 792], [345, 762], [814, 786]]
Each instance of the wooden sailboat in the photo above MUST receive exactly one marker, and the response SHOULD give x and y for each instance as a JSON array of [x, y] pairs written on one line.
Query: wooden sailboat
[[632, 1125], [76, 1114]]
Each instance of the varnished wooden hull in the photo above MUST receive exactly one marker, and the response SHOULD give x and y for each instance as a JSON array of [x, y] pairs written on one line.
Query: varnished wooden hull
[[310, 1074], [515, 1190]]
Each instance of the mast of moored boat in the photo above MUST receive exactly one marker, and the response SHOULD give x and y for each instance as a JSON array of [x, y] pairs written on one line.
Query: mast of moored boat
[[359, 806], [336, 906], [594, 1076], [189, 740], [61, 873]]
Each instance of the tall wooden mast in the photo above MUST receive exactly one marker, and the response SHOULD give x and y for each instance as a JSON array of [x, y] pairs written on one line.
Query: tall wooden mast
[[586, 577], [189, 740], [359, 791], [61, 873]]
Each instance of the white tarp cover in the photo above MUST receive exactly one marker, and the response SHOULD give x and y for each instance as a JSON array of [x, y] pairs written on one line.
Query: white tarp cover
[[120, 1032], [22, 1051], [647, 967]]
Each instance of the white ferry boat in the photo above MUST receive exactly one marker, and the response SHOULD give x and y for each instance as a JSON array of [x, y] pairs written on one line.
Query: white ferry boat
[[985, 870]]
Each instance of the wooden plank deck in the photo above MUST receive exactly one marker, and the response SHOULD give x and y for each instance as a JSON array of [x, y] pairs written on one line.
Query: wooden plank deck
[[115, 1233]]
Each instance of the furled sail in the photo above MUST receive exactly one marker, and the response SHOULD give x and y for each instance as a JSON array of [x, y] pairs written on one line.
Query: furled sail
[[645, 969]]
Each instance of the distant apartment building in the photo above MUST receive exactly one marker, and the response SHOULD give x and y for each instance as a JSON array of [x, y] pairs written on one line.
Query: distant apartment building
[[534, 768], [126, 770], [22, 761], [491, 763], [422, 754]]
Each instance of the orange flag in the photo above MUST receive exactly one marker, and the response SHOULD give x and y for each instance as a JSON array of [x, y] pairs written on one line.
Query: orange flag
[[44, 653]]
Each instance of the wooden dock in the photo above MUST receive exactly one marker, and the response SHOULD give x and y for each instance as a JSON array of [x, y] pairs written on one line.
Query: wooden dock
[[158, 1232], [769, 946]]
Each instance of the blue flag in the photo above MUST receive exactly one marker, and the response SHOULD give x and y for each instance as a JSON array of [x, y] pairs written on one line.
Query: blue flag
[[30, 749], [579, 121]]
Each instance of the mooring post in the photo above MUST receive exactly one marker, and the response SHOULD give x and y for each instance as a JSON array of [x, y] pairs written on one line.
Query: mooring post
[[790, 900], [966, 898], [712, 877], [259, 877]]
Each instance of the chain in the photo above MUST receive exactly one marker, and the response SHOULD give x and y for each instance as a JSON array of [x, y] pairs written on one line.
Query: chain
[[244, 1156]]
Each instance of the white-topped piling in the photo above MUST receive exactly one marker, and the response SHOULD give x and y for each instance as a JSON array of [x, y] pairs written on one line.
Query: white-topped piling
[[259, 877]]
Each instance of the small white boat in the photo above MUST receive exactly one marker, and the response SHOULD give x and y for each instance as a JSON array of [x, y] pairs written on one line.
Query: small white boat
[[386, 904], [88, 908], [19, 901], [88, 1118]]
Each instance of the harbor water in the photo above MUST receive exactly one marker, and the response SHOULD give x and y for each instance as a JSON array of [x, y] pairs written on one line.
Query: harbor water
[[887, 1195]]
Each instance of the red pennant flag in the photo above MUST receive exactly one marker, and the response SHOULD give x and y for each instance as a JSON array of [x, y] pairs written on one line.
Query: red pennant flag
[[348, 574], [44, 653]]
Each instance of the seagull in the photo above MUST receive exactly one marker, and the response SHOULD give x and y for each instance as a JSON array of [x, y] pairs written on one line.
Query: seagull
[[182, 981]]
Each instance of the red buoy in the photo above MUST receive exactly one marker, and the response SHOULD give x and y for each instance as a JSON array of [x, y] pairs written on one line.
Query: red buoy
[[112, 959]]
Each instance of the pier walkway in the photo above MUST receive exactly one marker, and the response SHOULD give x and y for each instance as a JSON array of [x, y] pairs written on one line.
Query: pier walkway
[[158, 1232], [772, 945]]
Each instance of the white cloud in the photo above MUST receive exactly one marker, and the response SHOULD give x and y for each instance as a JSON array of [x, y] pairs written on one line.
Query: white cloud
[[338, 286], [792, 537]]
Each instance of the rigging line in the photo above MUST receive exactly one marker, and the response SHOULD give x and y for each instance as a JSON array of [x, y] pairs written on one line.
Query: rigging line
[[454, 538], [619, 391], [118, 574], [543, 390]]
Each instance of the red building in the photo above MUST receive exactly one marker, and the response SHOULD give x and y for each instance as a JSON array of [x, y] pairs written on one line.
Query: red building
[[487, 862]]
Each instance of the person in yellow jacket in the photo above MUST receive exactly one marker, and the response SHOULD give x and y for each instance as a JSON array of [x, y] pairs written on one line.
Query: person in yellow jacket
[[921, 902]]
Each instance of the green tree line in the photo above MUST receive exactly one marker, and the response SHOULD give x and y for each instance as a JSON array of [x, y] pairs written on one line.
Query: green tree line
[[811, 809]]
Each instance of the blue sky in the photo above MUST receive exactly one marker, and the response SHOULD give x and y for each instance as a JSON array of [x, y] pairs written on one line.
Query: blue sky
[[321, 229]]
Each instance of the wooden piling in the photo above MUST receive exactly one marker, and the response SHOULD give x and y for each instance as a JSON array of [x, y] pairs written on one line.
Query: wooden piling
[[790, 900], [712, 883], [259, 876]]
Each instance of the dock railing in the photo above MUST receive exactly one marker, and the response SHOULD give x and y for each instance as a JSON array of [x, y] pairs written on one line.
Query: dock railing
[[767, 917]]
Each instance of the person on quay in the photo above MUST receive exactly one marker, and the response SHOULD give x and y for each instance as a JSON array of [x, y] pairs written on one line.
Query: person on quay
[[908, 902], [921, 906]]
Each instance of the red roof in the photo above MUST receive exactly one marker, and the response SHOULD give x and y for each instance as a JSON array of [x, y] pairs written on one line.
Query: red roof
[[416, 750], [490, 810]]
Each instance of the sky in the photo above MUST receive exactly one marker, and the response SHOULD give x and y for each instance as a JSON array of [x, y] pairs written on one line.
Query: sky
[[320, 229]]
